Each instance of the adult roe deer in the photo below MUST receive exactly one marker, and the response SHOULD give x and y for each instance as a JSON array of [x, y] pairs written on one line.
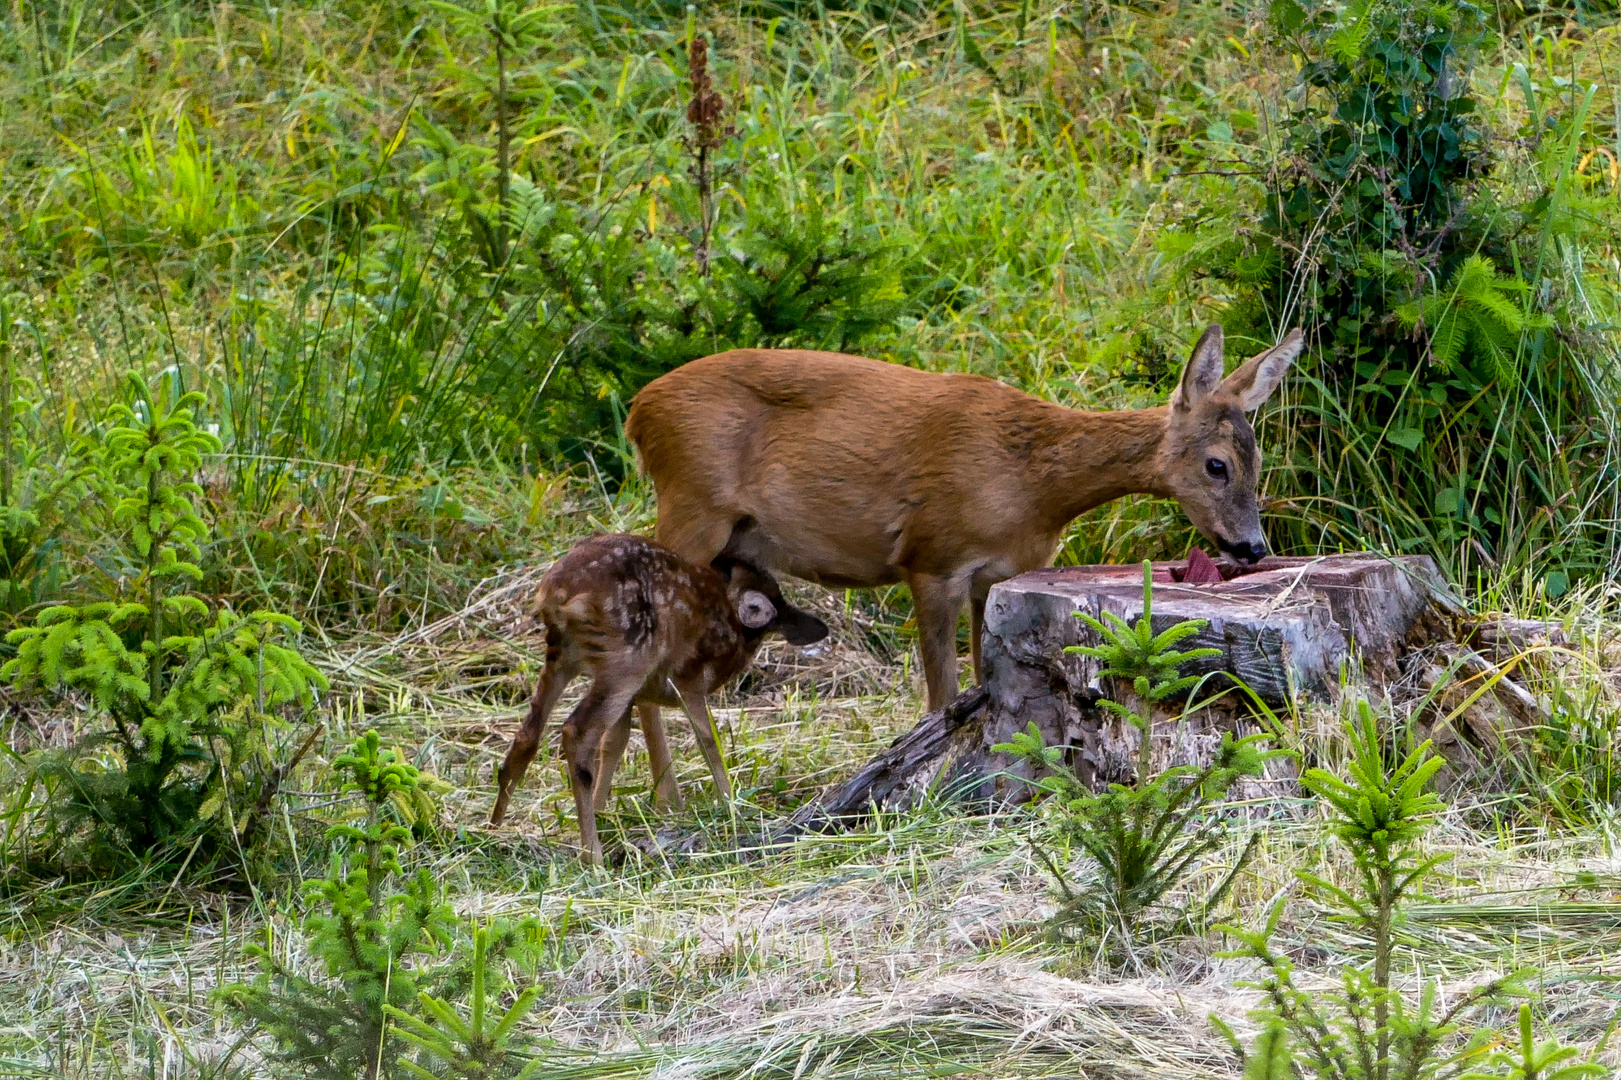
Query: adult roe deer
[[852, 472], [650, 630]]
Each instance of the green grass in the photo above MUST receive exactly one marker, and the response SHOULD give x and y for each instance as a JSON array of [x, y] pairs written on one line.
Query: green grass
[[288, 204], [912, 943], [282, 206]]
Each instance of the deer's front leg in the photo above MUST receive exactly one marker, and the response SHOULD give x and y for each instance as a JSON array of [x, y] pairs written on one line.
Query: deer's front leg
[[666, 792], [693, 703]]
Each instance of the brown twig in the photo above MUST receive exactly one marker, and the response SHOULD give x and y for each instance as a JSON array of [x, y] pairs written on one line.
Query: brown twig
[[273, 785]]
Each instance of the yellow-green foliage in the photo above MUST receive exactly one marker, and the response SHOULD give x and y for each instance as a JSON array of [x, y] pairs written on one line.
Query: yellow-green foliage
[[165, 669]]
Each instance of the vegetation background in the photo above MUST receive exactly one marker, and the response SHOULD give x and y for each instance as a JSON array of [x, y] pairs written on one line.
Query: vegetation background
[[415, 257]]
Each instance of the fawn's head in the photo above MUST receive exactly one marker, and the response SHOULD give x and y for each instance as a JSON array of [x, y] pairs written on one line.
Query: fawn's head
[[1208, 459], [761, 607]]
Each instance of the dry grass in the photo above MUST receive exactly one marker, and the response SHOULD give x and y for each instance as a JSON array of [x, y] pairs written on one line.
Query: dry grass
[[912, 947]]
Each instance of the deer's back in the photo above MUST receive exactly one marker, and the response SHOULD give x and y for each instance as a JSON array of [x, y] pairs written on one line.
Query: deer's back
[[843, 465]]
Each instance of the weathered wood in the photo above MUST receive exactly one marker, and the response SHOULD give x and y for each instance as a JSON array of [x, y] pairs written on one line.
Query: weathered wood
[[899, 775], [1477, 712], [1285, 626], [1502, 638], [1287, 629]]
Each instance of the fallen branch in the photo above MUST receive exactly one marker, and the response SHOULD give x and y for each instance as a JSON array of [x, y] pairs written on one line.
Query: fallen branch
[[915, 758]]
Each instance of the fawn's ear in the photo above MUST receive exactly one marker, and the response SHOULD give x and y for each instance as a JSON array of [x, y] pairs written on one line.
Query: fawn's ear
[[800, 628], [755, 609]]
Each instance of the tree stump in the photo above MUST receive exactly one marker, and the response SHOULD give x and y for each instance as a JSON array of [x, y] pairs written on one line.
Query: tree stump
[[1286, 628]]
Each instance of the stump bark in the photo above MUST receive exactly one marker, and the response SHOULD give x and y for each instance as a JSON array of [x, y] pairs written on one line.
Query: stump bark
[[1287, 629]]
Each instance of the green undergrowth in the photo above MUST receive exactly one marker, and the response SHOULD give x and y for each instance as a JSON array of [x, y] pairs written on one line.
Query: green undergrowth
[[909, 942], [404, 264], [402, 249]]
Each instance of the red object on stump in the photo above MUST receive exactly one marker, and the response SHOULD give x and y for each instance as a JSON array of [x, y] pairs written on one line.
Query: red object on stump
[[1202, 569]]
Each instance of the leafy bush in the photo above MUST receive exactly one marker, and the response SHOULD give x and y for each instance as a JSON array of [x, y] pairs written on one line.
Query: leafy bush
[[40, 488], [615, 296], [1145, 839], [387, 943], [183, 692], [464, 172], [1369, 1030], [1457, 393], [1481, 316], [587, 308], [1381, 144]]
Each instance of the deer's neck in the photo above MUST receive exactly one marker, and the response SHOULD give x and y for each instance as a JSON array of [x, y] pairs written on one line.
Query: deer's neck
[[1093, 457]]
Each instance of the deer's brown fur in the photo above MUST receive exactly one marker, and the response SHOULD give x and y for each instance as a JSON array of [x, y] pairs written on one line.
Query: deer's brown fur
[[649, 629], [853, 472]]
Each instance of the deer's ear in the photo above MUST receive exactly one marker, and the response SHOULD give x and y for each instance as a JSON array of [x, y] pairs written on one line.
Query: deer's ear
[[1257, 377], [1203, 373], [755, 610]]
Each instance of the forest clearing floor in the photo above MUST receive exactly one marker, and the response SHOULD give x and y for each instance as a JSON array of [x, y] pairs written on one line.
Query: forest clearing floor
[[913, 945]]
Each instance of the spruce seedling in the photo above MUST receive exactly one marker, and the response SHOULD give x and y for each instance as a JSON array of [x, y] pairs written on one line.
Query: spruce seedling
[[1145, 661], [477, 1045], [370, 925], [1145, 839], [168, 672], [1368, 1030]]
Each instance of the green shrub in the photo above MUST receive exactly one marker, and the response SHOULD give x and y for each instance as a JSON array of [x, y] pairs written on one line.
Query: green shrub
[[1381, 141], [390, 951], [382, 360], [1142, 840], [1456, 395], [788, 272], [183, 692], [1368, 1029]]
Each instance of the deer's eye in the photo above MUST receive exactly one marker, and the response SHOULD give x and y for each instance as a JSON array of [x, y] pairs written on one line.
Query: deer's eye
[[1216, 468]]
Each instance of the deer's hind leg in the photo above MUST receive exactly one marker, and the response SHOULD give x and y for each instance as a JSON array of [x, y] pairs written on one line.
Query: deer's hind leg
[[696, 531], [561, 667]]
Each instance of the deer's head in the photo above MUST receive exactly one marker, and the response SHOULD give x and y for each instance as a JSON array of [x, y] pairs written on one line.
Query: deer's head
[[1208, 459]]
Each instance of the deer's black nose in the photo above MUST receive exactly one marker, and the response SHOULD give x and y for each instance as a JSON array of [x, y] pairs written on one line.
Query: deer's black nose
[[1245, 552]]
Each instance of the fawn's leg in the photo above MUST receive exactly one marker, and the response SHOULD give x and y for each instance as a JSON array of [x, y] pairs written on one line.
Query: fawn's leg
[[693, 703], [559, 671], [587, 728], [666, 793], [608, 759]]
